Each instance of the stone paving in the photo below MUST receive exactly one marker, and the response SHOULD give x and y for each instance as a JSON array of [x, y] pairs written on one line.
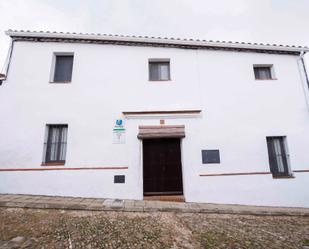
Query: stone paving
[[97, 204]]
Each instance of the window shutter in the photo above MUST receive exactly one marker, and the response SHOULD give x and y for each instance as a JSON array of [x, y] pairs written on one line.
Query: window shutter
[[272, 157], [284, 157], [153, 71], [164, 71]]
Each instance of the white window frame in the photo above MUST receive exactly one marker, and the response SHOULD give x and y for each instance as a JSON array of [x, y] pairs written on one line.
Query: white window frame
[[158, 60], [272, 71], [53, 66]]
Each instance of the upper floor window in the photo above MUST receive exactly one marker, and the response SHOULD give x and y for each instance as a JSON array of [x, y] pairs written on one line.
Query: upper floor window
[[55, 144], [278, 156], [159, 69], [264, 72], [62, 68]]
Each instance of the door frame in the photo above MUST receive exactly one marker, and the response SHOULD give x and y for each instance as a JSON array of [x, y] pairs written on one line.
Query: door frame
[[142, 165]]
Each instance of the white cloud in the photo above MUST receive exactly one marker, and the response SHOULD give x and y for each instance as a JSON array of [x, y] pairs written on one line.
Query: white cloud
[[219, 7], [33, 15]]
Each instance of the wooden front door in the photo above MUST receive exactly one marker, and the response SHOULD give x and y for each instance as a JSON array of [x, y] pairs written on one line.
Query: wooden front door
[[162, 166]]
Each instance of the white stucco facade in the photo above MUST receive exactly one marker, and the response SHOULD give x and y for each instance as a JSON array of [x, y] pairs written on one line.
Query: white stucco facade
[[237, 114]]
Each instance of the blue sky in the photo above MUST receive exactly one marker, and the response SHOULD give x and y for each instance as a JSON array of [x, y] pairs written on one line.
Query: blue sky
[[270, 21]]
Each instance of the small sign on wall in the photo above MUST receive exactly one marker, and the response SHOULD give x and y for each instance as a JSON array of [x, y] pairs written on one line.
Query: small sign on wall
[[119, 132], [119, 137], [210, 156], [119, 179]]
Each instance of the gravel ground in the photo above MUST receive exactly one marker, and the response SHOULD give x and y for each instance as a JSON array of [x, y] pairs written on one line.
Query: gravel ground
[[37, 228]]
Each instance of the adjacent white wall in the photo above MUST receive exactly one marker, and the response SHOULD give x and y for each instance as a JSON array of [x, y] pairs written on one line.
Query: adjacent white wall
[[238, 113]]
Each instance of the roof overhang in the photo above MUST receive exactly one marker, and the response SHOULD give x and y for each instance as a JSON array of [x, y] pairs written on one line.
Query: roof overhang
[[162, 114], [163, 131], [152, 41]]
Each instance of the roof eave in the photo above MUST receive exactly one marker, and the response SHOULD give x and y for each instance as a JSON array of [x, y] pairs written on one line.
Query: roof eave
[[139, 39]]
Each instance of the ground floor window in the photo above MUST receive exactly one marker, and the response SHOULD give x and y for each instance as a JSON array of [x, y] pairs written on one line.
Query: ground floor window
[[278, 156], [55, 144]]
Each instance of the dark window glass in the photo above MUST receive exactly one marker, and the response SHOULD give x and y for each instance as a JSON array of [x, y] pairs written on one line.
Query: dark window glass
[[63, 68], [56, 143], [210, 156], [262, 73], [278, 157], [159, 70]]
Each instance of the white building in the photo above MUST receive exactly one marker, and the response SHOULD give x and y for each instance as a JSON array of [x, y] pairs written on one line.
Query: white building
[[123, 117]]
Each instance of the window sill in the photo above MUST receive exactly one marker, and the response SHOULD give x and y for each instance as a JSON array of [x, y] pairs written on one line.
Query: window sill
[[53, 164], [60, 82], [284, 177], [266, 79], [159, 80]]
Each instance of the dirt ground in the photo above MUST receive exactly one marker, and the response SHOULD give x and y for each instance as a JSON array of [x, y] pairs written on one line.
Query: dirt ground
[[87, 229]]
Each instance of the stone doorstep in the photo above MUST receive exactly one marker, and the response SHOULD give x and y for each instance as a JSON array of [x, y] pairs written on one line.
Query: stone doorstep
[[96, 203], [242, 209], [8, 204], [25, 200], [139, 204], [6, 199], [113, 203], [30, 201], [133, 209], [17, 242], [84, 201], [129, 205], [11, 198]]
